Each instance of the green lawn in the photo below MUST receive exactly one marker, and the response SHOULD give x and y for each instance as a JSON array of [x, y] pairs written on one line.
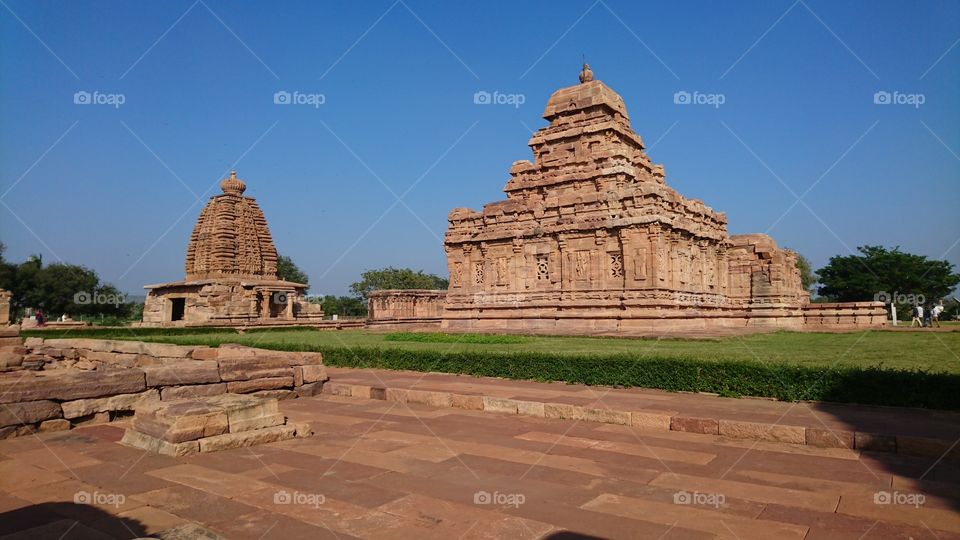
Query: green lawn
[[937, 352]]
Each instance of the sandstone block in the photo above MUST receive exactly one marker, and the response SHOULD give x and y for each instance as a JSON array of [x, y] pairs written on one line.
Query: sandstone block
[[29, 412], [312, 373], [530, 408], [650, 420], [377, 392], [426, 397], [927, 447], [120, 402], [9, 359], [607, 416], [825, 438], [143, 441], [243, 408], [762, 432], [708, 426], [91, 419], [562, 410], [192, 391], [33, 342], [56, 424], [10, 342], [205, 353], [10, 432], [500, 405], [179, 421], [185, 372], [64, 385], [471, 403], [247, 438], [266, 383], [309, 389], [243, 369], [259, 422], [275, 394], [398, 395]]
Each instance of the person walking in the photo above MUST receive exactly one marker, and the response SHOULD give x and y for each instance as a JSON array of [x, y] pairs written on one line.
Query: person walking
[[40, 318], [917, 316], [935, 314]]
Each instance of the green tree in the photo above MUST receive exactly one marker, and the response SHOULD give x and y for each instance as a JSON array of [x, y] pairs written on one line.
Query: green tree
[[395, 278], [877, 272], [345, 306], [807, 278], [288, 271]]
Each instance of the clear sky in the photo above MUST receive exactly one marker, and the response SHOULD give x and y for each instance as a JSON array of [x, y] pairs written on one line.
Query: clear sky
[[366, 178]]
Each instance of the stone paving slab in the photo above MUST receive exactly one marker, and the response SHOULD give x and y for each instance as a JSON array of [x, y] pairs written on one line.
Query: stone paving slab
[[394, 469], [886, 429]]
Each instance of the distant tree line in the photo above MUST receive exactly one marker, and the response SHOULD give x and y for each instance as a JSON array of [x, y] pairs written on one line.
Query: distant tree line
[[61, 288]]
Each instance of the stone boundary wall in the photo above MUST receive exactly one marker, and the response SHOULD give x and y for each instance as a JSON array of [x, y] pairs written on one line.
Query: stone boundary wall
[[58, 384], [844, 314]]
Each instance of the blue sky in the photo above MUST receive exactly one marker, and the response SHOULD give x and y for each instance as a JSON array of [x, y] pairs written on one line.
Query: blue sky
[[117, 188]]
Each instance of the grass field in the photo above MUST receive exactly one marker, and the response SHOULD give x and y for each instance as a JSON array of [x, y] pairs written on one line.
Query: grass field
[[927, 351]]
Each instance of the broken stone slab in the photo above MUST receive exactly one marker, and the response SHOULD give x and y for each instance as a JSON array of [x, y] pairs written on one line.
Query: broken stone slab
[[289, 358], [185, 372], [243, 410], [69, 385], [10, 359], [29, 412], [120, 402], [253, 385], [121, 346], [179, 421], [309, 389], [275, 394], [247, 438], [243, 369], [146, 442], [55, 424], [192, 391], [260, 422]]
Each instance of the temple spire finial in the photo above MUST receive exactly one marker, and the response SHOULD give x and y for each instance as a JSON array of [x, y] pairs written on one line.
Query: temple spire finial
[[586, 75]]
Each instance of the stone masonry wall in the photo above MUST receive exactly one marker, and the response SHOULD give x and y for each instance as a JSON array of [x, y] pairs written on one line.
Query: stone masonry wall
[[57, 384]]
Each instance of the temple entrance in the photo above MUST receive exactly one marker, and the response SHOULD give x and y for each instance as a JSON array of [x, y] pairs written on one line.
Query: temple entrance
[[178, 306]]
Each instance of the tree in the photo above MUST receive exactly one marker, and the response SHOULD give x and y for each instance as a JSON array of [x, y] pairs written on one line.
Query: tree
[[807, 277], [886, 275], [395, 278], [288, 271], [346, 306]]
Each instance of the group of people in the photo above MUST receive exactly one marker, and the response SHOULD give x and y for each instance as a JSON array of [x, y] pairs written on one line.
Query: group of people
[[932, 316]]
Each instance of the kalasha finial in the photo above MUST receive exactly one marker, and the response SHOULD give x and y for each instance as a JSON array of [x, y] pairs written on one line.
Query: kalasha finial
[[233, 185], [585, 74]]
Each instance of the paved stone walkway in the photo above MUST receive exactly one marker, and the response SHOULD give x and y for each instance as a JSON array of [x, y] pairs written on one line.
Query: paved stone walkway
[[379, 469]]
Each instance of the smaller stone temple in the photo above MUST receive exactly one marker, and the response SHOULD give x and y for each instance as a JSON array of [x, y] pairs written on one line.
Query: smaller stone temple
[[231, 272]]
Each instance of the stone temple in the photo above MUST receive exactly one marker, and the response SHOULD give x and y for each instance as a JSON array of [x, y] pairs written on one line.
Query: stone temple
[[591, 239], [231, 272]]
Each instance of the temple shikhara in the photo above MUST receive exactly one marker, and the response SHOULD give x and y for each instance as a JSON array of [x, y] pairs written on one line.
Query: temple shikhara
[[231, 271], [591, 239]]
